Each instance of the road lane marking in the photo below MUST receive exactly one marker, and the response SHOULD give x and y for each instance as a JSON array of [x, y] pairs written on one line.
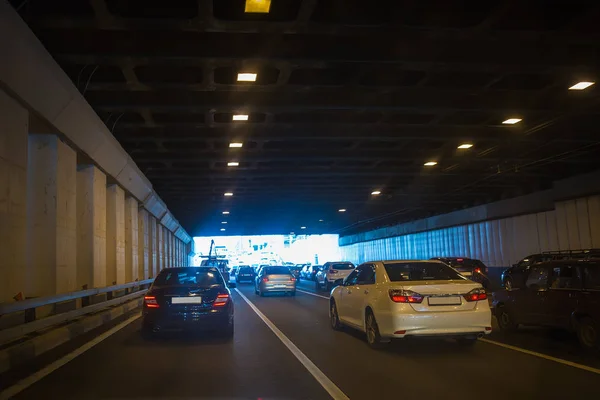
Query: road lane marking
[[544, 356], [331, 388], [312, 294], [47, 370]]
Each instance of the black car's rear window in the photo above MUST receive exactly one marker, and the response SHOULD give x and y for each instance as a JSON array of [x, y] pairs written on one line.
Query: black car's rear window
[[204, 277], [421, 271], [277, 270], [341, 266], [245, 270]]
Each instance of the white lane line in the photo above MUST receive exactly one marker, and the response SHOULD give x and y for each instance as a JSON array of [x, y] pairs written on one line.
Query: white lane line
[[544, 356], [47, 370], [331, 388], [312, 294]]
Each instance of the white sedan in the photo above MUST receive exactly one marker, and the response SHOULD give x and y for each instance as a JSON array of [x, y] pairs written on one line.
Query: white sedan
[[397, 299]]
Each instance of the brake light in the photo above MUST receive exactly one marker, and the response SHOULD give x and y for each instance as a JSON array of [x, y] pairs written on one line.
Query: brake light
[[150, 302], [292, 279], [221, 300], [333, 271], [477, 270], [476, 295], [405, 296], [265, 279]]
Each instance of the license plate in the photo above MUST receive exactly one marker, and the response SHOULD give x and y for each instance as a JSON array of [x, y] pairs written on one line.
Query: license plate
[[186, 300], [278, 286], [466, 273], [444, 301]]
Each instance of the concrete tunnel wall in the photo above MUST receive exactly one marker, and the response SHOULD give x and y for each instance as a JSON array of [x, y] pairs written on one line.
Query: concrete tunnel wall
[[66, 224], [500, 242]]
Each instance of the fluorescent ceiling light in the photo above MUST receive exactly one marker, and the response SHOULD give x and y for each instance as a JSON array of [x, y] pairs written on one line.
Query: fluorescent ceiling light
[[258, 6], [512, 121], [222, 229], [228, 194], [375, 192], [581, 85], [224, 222], [320, 220], [342, 210], [225, 212], [430, 163], [240, 117], [233, 164], [235, 145], [465, 146], [246, 77], [302, 227]]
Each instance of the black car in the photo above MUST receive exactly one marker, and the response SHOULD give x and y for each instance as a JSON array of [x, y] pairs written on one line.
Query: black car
[[191, 298], [245, 274], [514, 277], [470, 268]]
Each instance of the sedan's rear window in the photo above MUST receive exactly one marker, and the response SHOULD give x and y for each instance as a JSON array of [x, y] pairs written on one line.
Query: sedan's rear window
[[422, 271], [277, 271], [341, 266], [203, 277], [246, 270]]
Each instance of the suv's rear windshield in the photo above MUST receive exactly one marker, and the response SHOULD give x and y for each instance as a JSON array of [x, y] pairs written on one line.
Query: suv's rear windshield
[[277, 271], [422, 271], [203, 277], [468, 263], [245, 270], [341, 266]]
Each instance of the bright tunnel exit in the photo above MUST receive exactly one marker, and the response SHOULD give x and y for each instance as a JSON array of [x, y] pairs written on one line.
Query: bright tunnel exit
[[269, 249]]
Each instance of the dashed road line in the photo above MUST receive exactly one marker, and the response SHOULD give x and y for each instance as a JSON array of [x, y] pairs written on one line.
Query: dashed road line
[[312, 294]]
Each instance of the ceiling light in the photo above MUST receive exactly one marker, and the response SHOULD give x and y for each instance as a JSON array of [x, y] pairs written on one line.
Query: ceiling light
[[233, 164], [465, 146], [240, 117], [375, 193], [222, 229], [225, 212], [430, 163], [320, 220], [224, 222], [257, 6], [236, 145], [342, 210], [512, 121], [246, 77], [581, 85], [302, 227], [228, 194]]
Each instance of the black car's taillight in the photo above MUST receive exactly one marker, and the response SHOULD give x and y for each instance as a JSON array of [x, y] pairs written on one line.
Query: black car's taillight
[[150, 302], [221, 300]]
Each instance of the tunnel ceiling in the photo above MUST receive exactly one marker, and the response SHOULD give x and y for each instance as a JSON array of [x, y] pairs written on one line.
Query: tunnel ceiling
[[351, 97]]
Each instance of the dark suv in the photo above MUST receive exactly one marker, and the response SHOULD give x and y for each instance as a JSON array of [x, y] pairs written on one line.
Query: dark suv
[[470, 268], [514, 277], [562, 294]]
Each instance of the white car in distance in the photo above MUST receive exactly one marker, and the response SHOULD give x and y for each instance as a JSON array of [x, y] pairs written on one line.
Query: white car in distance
[[333, 271], [398, 299]]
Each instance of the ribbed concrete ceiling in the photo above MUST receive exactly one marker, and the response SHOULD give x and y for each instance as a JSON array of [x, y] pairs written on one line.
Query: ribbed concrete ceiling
[[351, 97]]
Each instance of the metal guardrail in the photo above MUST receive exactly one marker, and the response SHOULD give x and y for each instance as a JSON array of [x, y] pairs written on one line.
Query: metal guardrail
[[28, 304], [32, 324]]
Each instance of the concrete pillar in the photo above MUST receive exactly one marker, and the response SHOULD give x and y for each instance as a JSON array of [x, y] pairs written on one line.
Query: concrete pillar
[[14, 127], [143, 238], [160, 246], [172, 243], [115, 235], [51, 216], [153, 247], [131, 239], [91, 227], [169, 248]]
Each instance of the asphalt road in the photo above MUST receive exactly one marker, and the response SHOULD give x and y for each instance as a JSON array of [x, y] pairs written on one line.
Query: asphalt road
[[257, 365]]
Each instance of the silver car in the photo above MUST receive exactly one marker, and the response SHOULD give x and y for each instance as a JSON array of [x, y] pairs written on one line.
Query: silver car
[[275, 280]]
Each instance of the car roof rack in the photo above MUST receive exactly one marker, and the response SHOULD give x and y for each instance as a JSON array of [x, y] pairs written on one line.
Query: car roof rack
[[571, 252]]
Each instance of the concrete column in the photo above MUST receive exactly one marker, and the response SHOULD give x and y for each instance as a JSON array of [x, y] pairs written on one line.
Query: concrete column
[[52, 216], [115, 235], [160, 245], [169, 248], [91, 227], [153, 247], [172, 243], [143, 238], [131, 239], [14, 127]]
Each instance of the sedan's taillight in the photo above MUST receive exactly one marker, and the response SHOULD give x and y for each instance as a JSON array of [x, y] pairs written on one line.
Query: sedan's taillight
[[265, 279], [405, 296], [221, 300], [475, 295], [150, 302], [292, 279]]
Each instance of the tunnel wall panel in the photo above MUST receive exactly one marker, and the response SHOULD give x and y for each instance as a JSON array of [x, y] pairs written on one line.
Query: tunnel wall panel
[[574, 224]]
